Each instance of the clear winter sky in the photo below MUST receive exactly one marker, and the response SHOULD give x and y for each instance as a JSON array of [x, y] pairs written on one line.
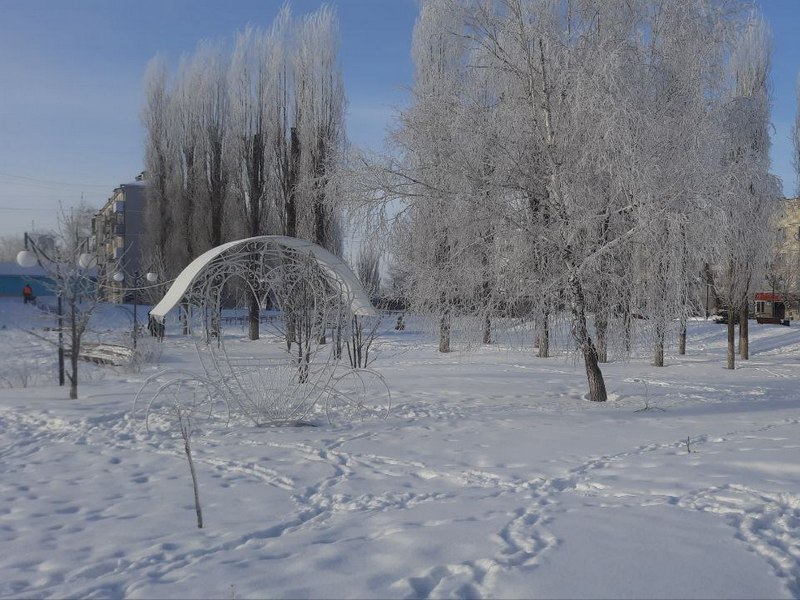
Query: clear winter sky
[[71, 85]]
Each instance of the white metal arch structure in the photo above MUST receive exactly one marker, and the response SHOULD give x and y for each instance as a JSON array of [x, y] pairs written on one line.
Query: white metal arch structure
[[335, 267], [309, 296]]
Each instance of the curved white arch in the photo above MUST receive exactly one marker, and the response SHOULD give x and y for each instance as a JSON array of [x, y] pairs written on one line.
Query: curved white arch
[[331, 264]]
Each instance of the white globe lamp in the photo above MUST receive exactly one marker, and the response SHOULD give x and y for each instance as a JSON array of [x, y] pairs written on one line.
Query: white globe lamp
[[26, 259], [118, 277], [151, 277], [87, 260]]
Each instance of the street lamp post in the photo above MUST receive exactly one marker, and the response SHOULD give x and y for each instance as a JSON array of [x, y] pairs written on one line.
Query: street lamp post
[[137, 283], [27, 259], [67, 282], [135, 306], [60, 309]]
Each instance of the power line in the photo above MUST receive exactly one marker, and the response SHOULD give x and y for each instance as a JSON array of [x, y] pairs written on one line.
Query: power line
[[36, 180], [24, 208]]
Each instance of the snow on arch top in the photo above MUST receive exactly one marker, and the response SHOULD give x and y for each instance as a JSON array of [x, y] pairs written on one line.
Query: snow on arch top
[[336, 268]]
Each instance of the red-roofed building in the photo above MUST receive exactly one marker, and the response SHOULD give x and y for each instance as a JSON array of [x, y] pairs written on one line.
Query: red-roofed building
[[783, 278], [774, 304]]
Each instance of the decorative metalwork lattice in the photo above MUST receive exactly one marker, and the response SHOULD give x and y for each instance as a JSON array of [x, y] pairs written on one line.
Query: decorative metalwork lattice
[[303, 298]]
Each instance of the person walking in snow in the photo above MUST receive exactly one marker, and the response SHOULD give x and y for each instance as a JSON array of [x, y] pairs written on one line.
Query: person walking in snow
[[27, 293]]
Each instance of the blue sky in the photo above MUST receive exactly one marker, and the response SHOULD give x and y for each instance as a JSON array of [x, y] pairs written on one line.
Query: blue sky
[[71, 85]]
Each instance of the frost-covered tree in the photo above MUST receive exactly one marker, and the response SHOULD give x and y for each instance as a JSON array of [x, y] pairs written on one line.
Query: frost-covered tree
[[368, 269], [796, 136], [257, 60], [248, 142], [253, 135], [750, 191], [214, 111], [425, 174], [566, 159], [678, 159], [184, 131], [568, 82], [158, 161], [319, 124]]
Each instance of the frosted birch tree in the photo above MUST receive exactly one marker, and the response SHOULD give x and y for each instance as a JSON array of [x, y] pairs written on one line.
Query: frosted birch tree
[[604, 171], [750, 193], [424, 175], [681, 81], [567, 85]]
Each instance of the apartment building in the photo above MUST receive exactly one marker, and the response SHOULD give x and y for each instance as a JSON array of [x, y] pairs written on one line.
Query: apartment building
[[118, 229]]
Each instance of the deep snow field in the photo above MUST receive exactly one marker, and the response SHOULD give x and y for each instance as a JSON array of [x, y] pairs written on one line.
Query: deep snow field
[[492, 476]]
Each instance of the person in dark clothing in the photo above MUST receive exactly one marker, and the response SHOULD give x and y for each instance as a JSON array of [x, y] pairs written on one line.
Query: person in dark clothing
[[156, 328], [27, 294]]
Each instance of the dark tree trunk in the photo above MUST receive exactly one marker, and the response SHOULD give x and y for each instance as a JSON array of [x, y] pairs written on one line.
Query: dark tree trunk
[[731, 340], [486, 288], [580, 332], [253, 316], [682, 338], [73, 355], [684, 293], [291, 197], [256, 185], [658, 359], [544, 334], [744, 333], [320, 233], [158, 204], [217, 199], [601, 316], [627, 326], [597, 387], [189, 207], [444, 333], [444, 328], [601, 325]]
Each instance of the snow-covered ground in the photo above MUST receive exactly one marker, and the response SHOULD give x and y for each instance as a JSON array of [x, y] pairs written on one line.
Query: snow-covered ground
[[491, 477]]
